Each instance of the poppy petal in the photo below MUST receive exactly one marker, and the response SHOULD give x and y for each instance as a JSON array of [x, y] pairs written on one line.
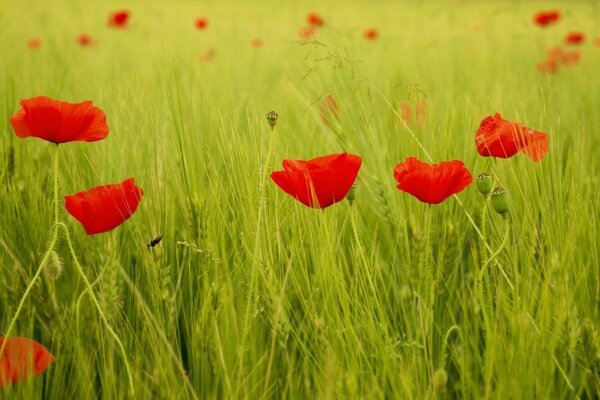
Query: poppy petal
[[22, 358]]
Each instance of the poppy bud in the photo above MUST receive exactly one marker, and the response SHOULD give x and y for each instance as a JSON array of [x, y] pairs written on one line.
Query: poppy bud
[[53, 266], [500, 201], [272, 118], [351, 194], [484, 183], [440, 379]]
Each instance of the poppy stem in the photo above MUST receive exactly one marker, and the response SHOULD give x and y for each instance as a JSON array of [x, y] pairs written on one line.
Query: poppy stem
[[484, 219], [256, 259], [56, 208], [53, 241], [500, 249], [98, 307]]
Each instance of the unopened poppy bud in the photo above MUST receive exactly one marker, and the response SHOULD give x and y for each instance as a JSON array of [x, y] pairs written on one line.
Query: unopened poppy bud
[[440, 379], [351, 194], [484, 183], [500, 200], [53, 266], [272, 118]]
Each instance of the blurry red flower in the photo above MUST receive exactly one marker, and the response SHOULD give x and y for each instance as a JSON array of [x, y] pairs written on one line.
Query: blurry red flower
[[547, 66], [314, 19], [119, 19], [34, 43], [103, 208], [306, 32], [545, 18], [319, 182], [415, 117], [201, 23], [208, 56], [329, 110], [597, 42], [84, 40], [370, 33], [58, 121], [497, 137], [432, 183], [22, 358], [574, 38], [256, 43]]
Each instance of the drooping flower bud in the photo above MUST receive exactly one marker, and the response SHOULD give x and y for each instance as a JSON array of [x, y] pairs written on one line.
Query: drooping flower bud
[[53, 266], [351, 194], [272, 118], [500, 201], [440, 379], [484, 183]]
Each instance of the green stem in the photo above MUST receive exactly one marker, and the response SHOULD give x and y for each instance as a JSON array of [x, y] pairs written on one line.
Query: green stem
[[98, 308], [257, 256], [56, 208], [484, 219], [444, 354], [501, 248], [53, 241]]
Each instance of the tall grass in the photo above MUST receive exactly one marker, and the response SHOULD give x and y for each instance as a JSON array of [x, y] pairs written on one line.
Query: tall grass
[[361, 301]]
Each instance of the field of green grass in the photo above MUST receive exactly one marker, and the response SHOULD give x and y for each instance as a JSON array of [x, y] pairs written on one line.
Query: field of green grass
[[250, 294]]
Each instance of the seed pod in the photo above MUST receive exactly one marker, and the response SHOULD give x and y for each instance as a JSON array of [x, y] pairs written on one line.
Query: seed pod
[[500, 201], [53, 266], [272, 118], [484, 183], [351, 194], [440, 379]]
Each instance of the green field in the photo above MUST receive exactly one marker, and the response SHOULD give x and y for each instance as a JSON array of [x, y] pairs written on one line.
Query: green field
[[252, 295]]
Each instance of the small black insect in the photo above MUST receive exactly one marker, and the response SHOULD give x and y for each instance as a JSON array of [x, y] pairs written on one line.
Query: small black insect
[[155, 241]]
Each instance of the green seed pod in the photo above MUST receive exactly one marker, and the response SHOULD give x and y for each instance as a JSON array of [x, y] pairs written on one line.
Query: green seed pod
[[351, 194], [272, 118], [500, 201], [484, 183], [440, 379], [53, 266]]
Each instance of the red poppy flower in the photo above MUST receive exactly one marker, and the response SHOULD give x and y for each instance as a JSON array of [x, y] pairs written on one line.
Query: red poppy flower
[[256, 43], [306, 32], [497, 137], [597, 42], [545, 18], [574, 38], [103, 208], [329, 110], [58, 121], [314, 19], [34, 43], [21, 359], [432, 183], [201, 23], [119, 19], [547, 66], [370, 33], [84, 40], [319, 182], [413, 118]]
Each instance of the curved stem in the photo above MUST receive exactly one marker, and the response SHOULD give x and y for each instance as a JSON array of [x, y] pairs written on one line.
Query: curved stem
[[256, 256], [500, 249], [53, 241], [444, 353], [98, 307]]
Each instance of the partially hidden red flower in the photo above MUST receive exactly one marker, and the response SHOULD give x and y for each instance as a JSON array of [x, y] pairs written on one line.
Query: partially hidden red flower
[[58, 121], [201, 23], [103, 208], [119, 19], [22, 358], [574, 38], [84, 40], [34, 43], [497, 137], [320, 182], [545, 18], [597, 42], [314, 20], [329, 110], [257, 43], [432, 183], [306, 32], [415, 116], [547, 66], [370, 33]]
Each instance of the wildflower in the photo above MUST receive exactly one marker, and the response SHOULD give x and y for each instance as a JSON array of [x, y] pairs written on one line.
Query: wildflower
[[314, 20], [320, 182], [34, 43], [58, 121], [21, 359], [575, 38], [119, 19], [84, 40], [103, 208], [370, 33], [329, 110], [497, 137], [432, 183], [545, 18], [201, 23]]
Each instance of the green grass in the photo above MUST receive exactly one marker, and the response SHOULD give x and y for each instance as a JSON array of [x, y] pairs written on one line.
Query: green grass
[[350, 302]]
